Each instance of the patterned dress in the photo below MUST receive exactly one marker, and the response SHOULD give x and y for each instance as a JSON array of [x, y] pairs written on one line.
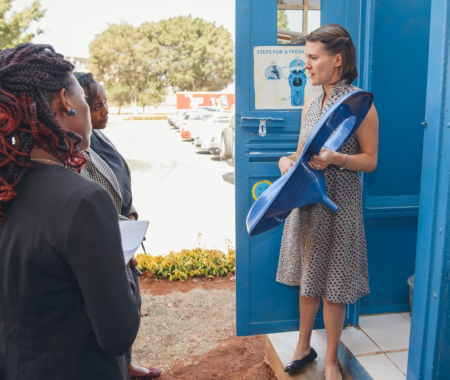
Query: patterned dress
[[324, 252]]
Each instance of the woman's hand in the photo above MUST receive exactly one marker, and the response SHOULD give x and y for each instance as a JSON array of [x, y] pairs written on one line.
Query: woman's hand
[[134, 262], [285, 163], [320, 162]]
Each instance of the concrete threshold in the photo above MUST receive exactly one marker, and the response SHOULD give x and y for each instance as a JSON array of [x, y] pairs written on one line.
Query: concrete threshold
[[279, 348]]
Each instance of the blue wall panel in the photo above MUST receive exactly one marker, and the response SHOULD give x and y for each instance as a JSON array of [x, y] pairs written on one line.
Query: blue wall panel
[[389, 36], [389, 267], [399, 35]]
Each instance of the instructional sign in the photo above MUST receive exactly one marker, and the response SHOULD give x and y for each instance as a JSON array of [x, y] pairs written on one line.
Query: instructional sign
[[281, 81]]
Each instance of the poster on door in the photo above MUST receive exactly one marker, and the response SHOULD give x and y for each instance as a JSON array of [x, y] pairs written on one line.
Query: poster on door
[[281, 80]]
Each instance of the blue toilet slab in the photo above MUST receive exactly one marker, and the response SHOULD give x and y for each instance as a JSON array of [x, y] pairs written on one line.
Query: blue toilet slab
[[301, 185]]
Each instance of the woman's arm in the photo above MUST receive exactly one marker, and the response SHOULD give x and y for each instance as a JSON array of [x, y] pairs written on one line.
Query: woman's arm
[[286, 162], [366, 160], [93, 250]]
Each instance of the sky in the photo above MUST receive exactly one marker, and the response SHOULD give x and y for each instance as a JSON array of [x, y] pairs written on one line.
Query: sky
[[71, 25]]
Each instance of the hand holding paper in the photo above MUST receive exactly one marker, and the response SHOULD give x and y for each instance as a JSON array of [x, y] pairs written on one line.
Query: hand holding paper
[[132, 233]]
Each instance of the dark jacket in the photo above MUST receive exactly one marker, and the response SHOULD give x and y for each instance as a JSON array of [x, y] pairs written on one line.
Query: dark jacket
[[99, 171], [66, 309]]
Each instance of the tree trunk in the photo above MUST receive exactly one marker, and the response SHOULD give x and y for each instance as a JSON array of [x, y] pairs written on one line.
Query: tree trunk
[[135, 95]]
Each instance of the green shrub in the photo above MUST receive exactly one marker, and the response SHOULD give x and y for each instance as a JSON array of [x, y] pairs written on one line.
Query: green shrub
[[197, 262]]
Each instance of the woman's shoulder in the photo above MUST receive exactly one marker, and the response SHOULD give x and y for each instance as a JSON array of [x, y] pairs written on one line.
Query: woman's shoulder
[[58, 190], [70, 183], [102, 137], [344, 86]]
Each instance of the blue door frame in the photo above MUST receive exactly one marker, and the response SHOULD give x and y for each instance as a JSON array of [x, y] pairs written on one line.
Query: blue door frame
[[390, 194], [429, 352], [397, 42]]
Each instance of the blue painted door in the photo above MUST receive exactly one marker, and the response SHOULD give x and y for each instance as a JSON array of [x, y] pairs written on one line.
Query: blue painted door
[[262, 304], [392, 43]]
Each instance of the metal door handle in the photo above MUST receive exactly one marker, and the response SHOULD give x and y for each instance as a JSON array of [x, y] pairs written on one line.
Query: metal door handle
[[262, 128]]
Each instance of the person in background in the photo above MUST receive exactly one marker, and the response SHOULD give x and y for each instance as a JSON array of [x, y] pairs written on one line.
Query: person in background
[[65, 311], [106, 166], [324, 252]]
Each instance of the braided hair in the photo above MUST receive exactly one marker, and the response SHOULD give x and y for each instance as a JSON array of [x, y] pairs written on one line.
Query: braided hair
[[89, 84], [28, 74]]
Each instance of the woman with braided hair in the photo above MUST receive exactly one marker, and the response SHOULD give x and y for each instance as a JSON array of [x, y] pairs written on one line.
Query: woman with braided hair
[[66, 309]]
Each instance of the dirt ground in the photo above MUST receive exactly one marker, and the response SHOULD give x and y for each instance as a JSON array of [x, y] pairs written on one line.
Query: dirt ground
[[235, 358], [158, 286]]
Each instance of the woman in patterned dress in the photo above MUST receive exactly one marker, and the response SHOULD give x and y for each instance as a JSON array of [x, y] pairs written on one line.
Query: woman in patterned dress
[[324, 252]]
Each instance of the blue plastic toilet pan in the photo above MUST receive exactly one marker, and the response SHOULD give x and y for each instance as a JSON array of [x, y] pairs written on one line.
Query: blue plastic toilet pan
[[301, 185]]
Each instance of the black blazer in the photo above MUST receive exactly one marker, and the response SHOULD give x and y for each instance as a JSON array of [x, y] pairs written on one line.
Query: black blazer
[[66, 309]]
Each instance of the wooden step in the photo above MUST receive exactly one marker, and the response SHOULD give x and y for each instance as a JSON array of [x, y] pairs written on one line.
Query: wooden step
[[279, 348]]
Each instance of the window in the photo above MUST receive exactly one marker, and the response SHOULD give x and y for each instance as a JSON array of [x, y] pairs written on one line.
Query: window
[[296, 19]]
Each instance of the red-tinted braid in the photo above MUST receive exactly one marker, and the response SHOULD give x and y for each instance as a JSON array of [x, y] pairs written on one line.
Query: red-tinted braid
[[28, 73]]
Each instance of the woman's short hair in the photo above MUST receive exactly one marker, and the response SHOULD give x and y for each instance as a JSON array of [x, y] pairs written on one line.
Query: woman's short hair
[[337, 40]]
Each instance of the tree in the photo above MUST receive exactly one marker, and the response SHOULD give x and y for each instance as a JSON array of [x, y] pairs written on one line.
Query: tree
[[201, 55], [118, 94], [182, 52], [122, 55], [152, 95], [282, 20], [13, 30]]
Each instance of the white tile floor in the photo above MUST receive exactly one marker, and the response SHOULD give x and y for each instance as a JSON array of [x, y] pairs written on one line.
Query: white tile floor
[[381, 344]]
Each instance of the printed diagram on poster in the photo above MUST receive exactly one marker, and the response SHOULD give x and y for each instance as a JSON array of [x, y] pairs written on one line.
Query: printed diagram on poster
[[281, 81]]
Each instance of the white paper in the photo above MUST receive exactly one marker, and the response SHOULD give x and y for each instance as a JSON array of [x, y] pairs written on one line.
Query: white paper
[[132, 233]]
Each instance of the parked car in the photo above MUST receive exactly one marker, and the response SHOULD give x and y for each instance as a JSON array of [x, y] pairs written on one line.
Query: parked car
[[175, 121], [190, 120], [223, 144], [209, 108], [210, 130]]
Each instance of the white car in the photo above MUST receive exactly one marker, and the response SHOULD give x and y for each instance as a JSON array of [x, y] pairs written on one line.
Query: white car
[[190, 121], [222, 144], [209, 130], [176, 119]]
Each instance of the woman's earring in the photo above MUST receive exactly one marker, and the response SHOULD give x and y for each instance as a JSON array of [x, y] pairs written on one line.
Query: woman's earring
[[72, 112]]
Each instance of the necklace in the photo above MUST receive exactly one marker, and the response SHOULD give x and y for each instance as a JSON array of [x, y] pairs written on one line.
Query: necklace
[[46, 160]]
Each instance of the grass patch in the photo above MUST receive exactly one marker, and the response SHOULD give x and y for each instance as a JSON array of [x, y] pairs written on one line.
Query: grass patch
[[178, 326]]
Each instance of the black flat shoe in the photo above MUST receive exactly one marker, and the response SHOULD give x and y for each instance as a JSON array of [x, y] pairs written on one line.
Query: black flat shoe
[[297, 365]]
